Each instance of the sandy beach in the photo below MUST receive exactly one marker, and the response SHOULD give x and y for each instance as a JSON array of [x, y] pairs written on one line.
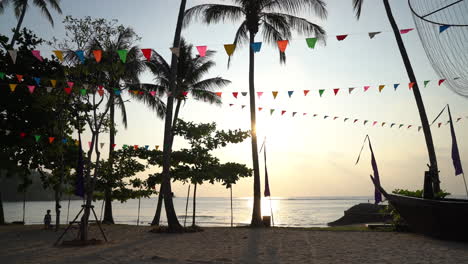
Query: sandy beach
[[131, 244]]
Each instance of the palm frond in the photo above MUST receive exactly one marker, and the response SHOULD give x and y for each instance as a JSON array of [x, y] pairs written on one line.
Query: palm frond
[[357, 7], [211, 84], [55, 4], [298, 24], [206, 96], [240, 38], [297, 6], [119, 102], [45, 11], [213, 13], [155, 103], [18, 7]]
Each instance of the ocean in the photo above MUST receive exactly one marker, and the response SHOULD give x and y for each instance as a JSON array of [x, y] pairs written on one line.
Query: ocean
[[210, 211]]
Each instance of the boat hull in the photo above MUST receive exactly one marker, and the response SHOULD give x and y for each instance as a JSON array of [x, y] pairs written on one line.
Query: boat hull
[[442, 218]]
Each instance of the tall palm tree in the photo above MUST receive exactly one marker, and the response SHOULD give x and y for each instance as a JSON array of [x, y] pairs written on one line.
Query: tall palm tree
[[21, 6], [116, 77], [275, 20], [434, 171], [190, 72]]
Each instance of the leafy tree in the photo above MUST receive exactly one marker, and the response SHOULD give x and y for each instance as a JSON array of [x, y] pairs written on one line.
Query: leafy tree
[[190, 78], [433, 168], [276, 21], [21, 6]]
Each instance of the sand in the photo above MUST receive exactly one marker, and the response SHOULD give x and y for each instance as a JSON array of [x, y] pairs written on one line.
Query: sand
[[131, 244]]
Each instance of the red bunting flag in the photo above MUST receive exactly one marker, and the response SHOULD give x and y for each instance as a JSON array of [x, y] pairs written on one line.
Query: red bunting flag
[[441, 81], [141, 93], [219, 94], [146, 53], [355, 120], [101, 92], [410, 126], [97, 55], [336, 90], [89, 144], [314, 115], [231, 104], [410, 85], [113, 145], [404, 31], [19, 77], [51, 139], [366, 88], [67, 90], [259, 94], [184, 93], [135, 147], [282, 44], [341, 37], [283, 111], [235, 94], [22, 135], [260, 108], [306, 92]]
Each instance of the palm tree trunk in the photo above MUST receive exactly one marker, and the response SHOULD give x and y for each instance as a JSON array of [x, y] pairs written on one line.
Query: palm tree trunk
[[57, 208], [157, 216], [186, 204], [172, 221], [108, 217], [68, 208], [18, 26], [194, 203], [2, 216], [419, 102], [256, 212]]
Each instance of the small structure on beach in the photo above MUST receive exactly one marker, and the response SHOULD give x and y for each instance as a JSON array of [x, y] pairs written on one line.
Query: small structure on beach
[[361, 214]]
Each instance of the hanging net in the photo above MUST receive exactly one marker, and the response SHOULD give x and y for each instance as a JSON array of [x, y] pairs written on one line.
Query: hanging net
[[443, 29]]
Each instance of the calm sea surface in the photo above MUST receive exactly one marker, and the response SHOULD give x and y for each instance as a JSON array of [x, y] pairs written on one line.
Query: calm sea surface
[[294, 211]]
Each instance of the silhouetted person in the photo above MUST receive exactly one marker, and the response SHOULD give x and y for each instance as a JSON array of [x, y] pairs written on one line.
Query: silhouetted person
[[47, 220]]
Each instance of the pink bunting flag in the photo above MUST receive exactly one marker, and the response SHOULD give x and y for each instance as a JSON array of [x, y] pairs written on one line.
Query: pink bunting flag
[[153, 93], [375, 122], [31, 88], [410, 85], [283, 111], [259, 94], [366, 88], [282, 44], [37, 54], [341, 37], [336, 90], [441, 81], [202, 50], [306, 92], [219, 94], [70, 84], [404, 31], [184, 93], [304, 114], [51, 139], [146, 53], [235, 94]]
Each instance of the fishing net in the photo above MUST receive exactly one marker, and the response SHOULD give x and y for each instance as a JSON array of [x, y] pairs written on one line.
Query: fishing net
[[443, 29]]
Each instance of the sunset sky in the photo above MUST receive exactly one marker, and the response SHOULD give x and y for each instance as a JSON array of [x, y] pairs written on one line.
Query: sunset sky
[[307, 156]]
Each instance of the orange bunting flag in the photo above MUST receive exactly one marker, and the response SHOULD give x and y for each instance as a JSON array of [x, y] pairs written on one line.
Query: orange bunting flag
[[306, 92], [97, 55], [51, 139], [146, 53], [235, 94], [31, 88], [282, 44], [259, 94], [275, 93], [230, 49], [135, 147], [53, 82], [381, 87], [410, 85], [19, 77], [341, 37], [202, 50], [441, 81], [283, 111], [156, 147], [67, 90], [59, 55], [219, 94], [336, 90], [383, 124], [260, 108], [404, 31], [13, 86], [366, 88]]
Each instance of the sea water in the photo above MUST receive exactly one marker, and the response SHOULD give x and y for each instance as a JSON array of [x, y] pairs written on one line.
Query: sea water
[[210, 211]]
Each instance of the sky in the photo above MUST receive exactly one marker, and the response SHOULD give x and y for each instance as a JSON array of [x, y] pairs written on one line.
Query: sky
[[307, 156]]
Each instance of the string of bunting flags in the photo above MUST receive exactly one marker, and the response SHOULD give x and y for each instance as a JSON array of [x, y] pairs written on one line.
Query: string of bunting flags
[[202, 49]]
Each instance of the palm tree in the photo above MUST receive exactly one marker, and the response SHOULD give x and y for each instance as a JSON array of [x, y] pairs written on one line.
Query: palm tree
[[21, 6], [118, 76], [433, 169], [190, 72], [275, 20]]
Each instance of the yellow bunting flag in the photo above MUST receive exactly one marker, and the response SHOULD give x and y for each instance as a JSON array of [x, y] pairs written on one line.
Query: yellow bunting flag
[[230, 49], [275, 93], [381, 88], [53, 82], [13, 86], [156, 147], [59, 55]]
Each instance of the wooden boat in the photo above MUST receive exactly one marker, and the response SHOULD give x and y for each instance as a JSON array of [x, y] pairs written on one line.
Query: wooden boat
[[441, 218]]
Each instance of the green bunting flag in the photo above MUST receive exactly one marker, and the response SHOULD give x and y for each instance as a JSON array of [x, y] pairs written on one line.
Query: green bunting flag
[[37, 137], [425, 83], [2, 75], [321, 92], [83, 91], [311, 42], [271, 111], [123, 55]]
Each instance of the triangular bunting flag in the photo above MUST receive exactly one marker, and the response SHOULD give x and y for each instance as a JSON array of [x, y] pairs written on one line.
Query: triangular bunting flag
[[113, 145], [235, 94], [350, 90], [53, 82], [443, 28], [321, 92], [341, 37], [19, 77], [146, 147], [184, 93], [325, 117], [153, 93], [336, 90], [282, 44], [31, 88], [294, 113], [244, 93], [409, 126], [336, 117], [259, 94], [242, 106], [22, 135], [366, 88], [400, 125], [260, 108], [70, 84], [271, 111], [311, 42], [13, 86], [37, 54], [383, 124], [425, 83], [146, 53], [290, 93], [37, 80], [123, 55], [51, 139], [101, 92], [381, 87], [283, 111], [306, 92], [373, 34], [97, 55], [13, 55], [219, 94], [410, 85], [101, 144], [419, 128], [275, 93], [365, 122], [80, 55], [392, 125], [59, 55], [49, 89], [83, 91], [89, 144], [374, 123], [441, 81], [64, 140], [231, 104], [2, 75], [67, 90], [256, 46], [229, 49], [404, 31], [395, 86], [202, 50], [37, 137], [346, 119]]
